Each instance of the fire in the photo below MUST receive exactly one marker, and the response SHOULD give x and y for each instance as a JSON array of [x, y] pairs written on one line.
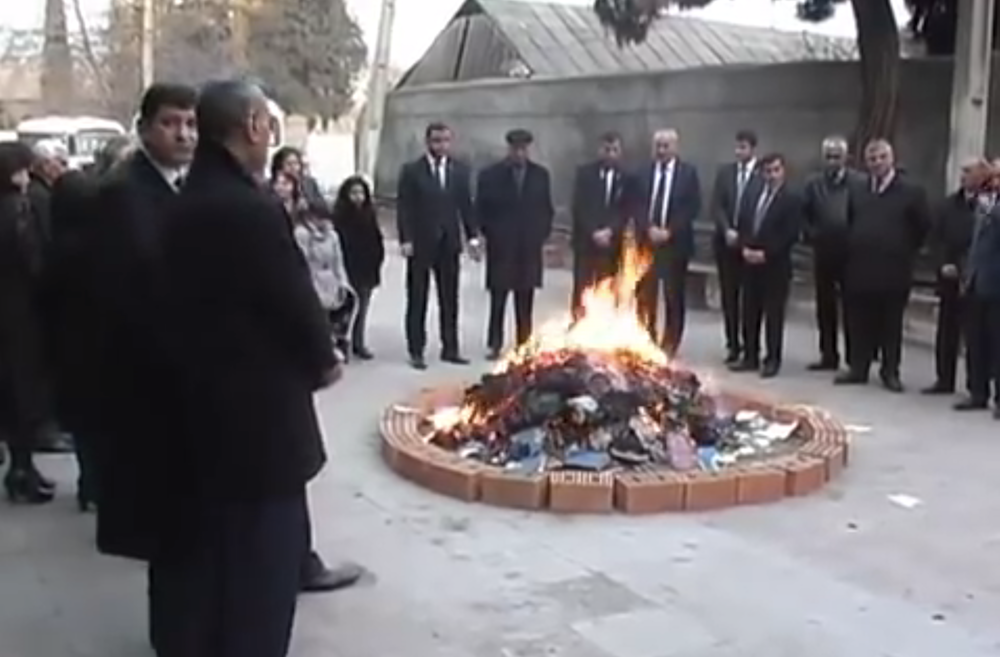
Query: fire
[[608, 327]]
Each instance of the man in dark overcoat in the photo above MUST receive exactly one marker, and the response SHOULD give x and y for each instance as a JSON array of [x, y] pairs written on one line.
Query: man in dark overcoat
[[951, 234], [434, 217], [731, 183], [665, 201], [769, 226], [250, 346], [888, 221], [514, 207], [599, 218]]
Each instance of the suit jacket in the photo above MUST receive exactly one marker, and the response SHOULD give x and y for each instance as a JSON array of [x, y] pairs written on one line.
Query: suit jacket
[[250, 337], [516, 224], [593, 209], [723, 208], [427, 215], [779, 228], [683, 208], [954, 220], [983, 279]]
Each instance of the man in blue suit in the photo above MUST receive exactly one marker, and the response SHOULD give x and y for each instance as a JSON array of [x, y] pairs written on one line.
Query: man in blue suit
[[665, 201], [981, 290]]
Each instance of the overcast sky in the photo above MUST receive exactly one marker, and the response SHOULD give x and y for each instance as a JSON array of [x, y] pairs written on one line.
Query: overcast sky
[[419, 21]]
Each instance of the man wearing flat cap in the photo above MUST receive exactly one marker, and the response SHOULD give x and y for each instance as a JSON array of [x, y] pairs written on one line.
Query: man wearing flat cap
[[514, 206]]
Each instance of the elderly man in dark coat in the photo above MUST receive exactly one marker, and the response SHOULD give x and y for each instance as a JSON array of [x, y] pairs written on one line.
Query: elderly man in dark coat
[[514, 205]]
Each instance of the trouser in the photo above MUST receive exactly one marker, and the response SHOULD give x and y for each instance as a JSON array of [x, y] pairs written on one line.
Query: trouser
[[730, 265], [443, 264], [765, 297], [86, 463], [875, 324], [829, 270], [670, 280], [359, 329], [589, 267], [524, 303], [982, 348], [948, 335], [231, 592]]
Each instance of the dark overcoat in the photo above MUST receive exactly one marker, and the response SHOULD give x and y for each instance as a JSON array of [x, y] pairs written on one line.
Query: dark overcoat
[[361, 243], [516, 224]]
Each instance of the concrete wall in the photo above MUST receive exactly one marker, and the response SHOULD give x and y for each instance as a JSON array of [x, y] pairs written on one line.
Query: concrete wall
[[791, 106]]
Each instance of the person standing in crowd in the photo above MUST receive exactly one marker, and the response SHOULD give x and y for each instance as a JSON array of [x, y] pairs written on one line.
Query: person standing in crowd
[[291, 161], [951, 235], [514, 207], [888, 222], [769, 226], [434, 206], [666, 200], [356, 221], [826, 230], [980, 289], [731, 183], [598, 217], [24, 395], [251, 345]]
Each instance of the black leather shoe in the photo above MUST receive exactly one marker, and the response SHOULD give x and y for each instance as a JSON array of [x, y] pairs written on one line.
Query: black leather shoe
[[744, 366], [892, 384], [25, 486], [850, 379], [454, 359], [317, 578], [938, 389], [770, 370], [492, 354], [418, 362], [971, 404], [823, 366], [732, 357], [362, 353]]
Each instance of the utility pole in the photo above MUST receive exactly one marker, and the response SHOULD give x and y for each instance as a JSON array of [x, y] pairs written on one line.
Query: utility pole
[[378, 88], [148, 42]]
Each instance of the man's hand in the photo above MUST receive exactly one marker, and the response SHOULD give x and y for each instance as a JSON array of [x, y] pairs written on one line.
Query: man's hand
[[659, 235], [732, 237], [949, 271], [476, 248], [332, 375], [753, 256], [602, 237], [406, 250]]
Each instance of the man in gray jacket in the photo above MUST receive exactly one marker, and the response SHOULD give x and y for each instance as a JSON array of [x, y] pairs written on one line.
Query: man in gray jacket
[[826, 203]]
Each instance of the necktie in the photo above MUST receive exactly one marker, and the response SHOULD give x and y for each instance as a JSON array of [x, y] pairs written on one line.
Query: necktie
[[741, 186], [519, 179], [762, 206], [178, 182], [439, 172], [608, 178], [659, 196]]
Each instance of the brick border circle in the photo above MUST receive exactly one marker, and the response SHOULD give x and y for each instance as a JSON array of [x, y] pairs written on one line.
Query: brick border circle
[[820, 458]]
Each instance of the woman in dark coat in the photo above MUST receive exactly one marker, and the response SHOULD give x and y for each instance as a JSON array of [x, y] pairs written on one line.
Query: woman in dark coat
[[24, 398], [356, 221]]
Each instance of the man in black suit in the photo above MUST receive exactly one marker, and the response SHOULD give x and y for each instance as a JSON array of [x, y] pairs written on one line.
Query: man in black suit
[[434, 206], [731, 183], [770, 221], [598, 218], [249, 346], [514, 207], [826, 203], [980, 289], [666, 199], [888, 221], [951, 235]]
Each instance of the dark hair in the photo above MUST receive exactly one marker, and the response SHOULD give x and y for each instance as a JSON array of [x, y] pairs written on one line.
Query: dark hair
[[747, 137], [223, 108], [343, 205], [436, 126], [519, 137], [771, 158], [161, 95], [14, 157], [611, 137], [281, 156], [110, 154]]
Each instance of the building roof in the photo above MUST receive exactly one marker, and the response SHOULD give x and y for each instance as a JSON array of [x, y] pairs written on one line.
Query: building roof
[[561, 40]]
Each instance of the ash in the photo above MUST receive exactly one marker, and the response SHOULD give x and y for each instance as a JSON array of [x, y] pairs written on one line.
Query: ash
[[592, 411]]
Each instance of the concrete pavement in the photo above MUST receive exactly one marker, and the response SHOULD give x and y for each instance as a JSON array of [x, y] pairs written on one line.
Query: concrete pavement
[[844, 573]]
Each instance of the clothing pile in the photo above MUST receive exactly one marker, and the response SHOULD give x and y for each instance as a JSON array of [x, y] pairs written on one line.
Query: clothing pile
[[592, 411]]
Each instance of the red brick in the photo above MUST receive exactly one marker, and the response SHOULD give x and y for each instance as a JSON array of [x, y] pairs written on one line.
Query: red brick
[[706, 491], [581, 492], [451, 475], [650, 492], [515, 491], [760, 485], [806, 474]]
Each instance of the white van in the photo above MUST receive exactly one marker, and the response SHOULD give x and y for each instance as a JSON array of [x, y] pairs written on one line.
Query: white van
[[83, 136]]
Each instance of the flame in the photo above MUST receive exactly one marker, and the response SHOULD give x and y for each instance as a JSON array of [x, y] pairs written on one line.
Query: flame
[[609, 325]]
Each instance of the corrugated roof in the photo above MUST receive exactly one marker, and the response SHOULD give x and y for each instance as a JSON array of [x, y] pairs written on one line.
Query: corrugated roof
[[560, 40]]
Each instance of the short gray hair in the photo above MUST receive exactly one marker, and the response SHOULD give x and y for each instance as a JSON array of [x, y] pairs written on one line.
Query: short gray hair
[[835, 143], [50, 149]]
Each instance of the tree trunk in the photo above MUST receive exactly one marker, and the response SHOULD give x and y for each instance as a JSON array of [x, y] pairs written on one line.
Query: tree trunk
[[93, 62], [878, 47]]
